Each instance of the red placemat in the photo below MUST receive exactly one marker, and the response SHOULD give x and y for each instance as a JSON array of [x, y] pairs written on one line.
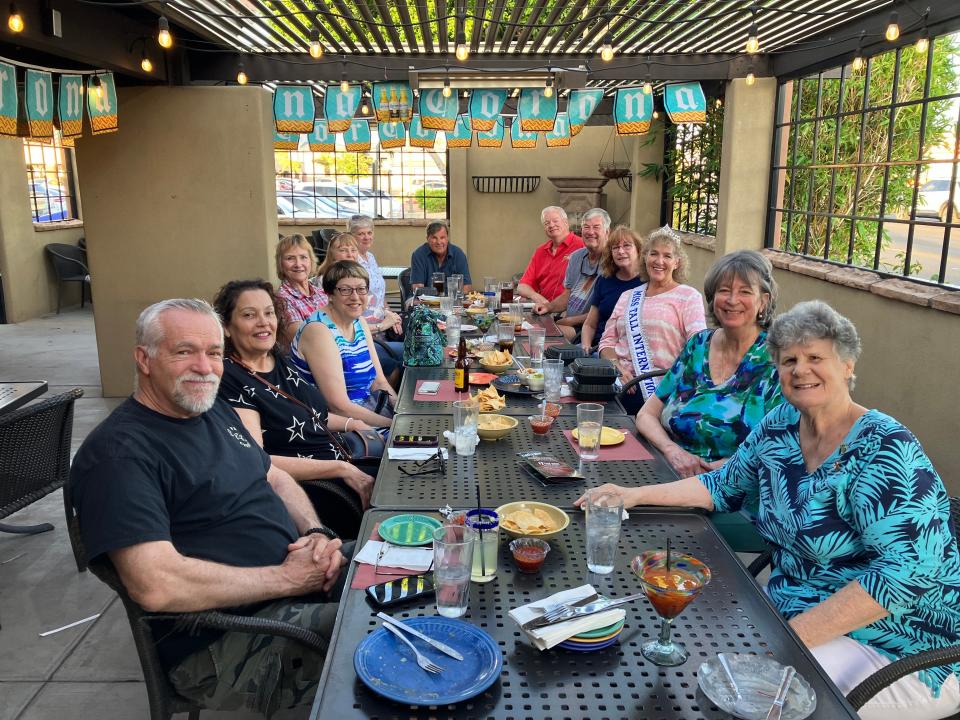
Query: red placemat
[[629, 449], [365, 576], [446, 393]]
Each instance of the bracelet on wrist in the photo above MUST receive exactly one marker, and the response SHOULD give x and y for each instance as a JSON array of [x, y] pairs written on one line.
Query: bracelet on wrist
[[330, 534], [346, 425]]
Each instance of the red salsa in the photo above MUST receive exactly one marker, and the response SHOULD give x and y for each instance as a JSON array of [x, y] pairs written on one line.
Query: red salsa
[[529, 558]]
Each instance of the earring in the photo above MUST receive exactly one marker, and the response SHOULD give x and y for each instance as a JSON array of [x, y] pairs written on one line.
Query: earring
[[762, 316]]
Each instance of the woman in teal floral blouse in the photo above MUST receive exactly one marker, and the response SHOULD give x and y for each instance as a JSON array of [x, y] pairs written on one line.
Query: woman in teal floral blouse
[[865, 560]]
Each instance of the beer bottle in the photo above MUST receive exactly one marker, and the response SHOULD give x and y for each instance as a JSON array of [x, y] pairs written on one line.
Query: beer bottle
[[461, 370]]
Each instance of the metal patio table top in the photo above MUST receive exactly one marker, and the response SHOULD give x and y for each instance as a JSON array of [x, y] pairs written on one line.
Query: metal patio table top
[[731, 615], [498, 469], [17, 394]]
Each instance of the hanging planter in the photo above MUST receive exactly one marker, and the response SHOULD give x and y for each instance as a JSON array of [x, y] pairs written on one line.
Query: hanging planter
[[614, 169]]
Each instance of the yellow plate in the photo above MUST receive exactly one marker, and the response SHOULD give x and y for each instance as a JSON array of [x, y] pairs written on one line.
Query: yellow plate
[[608, 436]]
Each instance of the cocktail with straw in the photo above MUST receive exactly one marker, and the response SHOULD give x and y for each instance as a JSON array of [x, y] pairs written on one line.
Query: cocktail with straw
[[671, 581], [487, 545]]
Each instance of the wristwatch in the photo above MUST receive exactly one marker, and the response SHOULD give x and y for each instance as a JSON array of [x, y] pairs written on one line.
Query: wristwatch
[[330, 534]]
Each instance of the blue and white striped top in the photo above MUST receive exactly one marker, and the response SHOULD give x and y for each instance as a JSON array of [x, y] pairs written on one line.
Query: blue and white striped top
[[358, 369]]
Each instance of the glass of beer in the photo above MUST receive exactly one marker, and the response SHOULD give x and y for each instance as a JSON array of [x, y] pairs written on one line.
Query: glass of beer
[[506, 337], [439, 281]]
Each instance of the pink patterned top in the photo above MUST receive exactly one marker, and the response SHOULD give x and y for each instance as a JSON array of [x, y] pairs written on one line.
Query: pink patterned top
[[297, 306], [669, 320]]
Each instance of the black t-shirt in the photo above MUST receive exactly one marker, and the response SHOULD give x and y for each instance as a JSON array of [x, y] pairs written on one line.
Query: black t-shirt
[[199, 483], [288, 428]]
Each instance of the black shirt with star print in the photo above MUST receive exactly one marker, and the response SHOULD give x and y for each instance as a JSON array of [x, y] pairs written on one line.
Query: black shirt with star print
[[288, 428]]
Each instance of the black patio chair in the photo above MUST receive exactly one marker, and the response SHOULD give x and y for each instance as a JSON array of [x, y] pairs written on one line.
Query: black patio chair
[[34, 455], [637, 380], [406, 292], [69, 265], [862, 693], [163, 698]]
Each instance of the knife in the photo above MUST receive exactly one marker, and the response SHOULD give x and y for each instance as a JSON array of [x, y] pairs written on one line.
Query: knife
[[777, 708], [531, 624], [446, 649]]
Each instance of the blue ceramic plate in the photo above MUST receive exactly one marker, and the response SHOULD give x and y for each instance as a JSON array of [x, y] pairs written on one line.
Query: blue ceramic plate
[[409, 529], [588, 647], [510, 384], [387, 666]]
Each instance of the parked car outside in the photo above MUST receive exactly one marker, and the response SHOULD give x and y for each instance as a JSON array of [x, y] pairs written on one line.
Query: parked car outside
[[297, 205], [347, 200], [382, 205], [934, 199]]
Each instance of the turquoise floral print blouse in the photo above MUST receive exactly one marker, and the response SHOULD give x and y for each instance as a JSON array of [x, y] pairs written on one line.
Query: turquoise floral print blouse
[[712, 420], [875, 511]]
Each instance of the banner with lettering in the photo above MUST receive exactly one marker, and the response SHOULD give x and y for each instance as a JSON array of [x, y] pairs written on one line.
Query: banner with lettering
[[339, 107], [285, 141], [535, 111], [421, 137], [491, 138], [485, 107], [39, 96], [521, 139], [438, 112], [632, 111], [392, 135], [70, 106], [462, 135], [391, 102], [685, 102], [8, 100], [102, 106], [357, 138], [321, 139], [560, 135], [580, 106], [293, 108]]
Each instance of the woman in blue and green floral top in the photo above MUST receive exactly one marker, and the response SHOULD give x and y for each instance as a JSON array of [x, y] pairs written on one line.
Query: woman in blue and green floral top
[[865, 561], [723, 382]]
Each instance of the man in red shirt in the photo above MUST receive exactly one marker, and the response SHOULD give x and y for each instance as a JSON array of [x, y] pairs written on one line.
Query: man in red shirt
[[542, 281]]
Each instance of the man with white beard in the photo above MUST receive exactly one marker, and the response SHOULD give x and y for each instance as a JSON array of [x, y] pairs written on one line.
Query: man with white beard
[[194, 517]]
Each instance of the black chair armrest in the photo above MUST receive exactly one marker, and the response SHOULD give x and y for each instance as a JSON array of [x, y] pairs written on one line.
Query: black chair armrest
[[191, 622], [389, 350], [859, 696], [759, 563], [639, 379]]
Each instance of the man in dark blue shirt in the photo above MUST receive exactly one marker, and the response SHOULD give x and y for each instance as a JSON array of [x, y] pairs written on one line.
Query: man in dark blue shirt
[[438, 255], [193, 516]]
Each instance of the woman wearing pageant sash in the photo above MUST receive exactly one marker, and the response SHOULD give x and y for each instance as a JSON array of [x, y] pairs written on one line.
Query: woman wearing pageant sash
[[723, 382], [650, 323]]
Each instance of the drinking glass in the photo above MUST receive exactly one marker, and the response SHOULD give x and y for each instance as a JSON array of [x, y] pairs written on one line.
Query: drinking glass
[[491, 289], [516, 312], [452, 562], [453, 330], [537, 338], [487, 547], [552, 379], [466, 415], [506, 336], [455, 285], [438, 280], [506, 294], [446, 306], [670, 581], [604, 511], [589, 426]]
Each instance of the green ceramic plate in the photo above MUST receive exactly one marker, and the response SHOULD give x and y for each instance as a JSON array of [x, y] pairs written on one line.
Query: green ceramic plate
[[599, 632], [409, 529]]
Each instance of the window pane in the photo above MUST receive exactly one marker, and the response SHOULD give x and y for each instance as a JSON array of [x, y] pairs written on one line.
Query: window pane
[[50, 180]]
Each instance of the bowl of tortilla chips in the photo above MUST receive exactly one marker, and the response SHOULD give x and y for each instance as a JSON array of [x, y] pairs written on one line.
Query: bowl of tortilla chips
[[496, 361], [532, 519], [494, 427]]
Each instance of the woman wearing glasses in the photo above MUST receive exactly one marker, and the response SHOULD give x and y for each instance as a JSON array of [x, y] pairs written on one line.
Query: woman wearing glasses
[[334, 349]]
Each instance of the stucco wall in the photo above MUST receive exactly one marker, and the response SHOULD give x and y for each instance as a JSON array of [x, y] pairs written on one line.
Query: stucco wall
[[909, 364]]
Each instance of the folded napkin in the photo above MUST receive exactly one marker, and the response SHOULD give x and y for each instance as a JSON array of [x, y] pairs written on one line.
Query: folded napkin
[[548, 636], [528, 325], [409, 558], [395, 453]]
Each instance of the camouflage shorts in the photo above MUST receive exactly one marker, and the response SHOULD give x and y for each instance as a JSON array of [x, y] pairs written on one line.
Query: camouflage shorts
[[263, 673]]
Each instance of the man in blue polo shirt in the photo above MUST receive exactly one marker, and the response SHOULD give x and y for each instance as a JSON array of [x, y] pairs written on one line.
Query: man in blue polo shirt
[[437, 254]]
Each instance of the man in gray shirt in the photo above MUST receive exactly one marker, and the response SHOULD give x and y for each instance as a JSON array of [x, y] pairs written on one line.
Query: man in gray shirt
[[582, 270]]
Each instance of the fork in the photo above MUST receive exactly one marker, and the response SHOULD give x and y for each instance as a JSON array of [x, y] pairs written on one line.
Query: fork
[[565, 612], [423, 661]]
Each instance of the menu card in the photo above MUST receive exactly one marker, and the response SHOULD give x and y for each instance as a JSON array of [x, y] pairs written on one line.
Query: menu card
[[548, 468]]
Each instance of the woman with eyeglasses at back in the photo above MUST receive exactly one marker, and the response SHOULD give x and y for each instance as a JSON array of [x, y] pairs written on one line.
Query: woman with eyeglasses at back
[[334, 348]]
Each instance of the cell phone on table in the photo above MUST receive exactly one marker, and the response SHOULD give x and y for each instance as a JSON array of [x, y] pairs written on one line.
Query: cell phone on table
[[415, 441], [430, 387], [401, 590]]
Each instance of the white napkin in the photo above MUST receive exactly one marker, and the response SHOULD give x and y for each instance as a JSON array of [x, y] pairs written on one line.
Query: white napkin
[[527, 325], [547, 637], [409, 558], [452, 438], [565, 391], [395, 453]]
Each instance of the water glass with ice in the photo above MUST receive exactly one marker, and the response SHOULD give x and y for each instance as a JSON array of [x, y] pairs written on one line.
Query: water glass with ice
[[589, 426], [452, 563], [604, 511], [537, 338], [552, 379], [466, 414], [446, 305]]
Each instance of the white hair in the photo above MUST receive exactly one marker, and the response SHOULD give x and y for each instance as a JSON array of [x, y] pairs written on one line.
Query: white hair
[[600, 213], [150, 330], [553, 208]]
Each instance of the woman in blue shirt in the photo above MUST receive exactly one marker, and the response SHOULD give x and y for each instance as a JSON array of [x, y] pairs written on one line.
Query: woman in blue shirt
[[865, 560], [621, 269]]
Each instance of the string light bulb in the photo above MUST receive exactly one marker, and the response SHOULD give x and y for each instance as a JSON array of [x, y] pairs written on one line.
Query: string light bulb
[[164, 38], [447, 92], [656, 114], [344, 85], [364, 107], [647, 87], [97, 86], [548, 88], [751, 78], [463, 50], [145, 63], [753, 36], [923, 43], [242, 78], [858, 61], [606, 50], [316, 49], [15, 20], [893, 27], [719, 103]]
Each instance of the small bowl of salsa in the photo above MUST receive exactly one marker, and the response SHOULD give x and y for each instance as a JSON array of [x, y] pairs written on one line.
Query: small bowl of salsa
[[540, 424], [552, 409], [529, 553]]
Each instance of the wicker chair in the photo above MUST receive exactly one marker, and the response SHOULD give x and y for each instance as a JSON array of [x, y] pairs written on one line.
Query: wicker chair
[[70, 265], [163, 698], [34, 455], [862, 693]]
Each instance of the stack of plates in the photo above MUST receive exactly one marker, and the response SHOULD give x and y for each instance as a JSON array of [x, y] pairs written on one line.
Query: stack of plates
[[594, 639]]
